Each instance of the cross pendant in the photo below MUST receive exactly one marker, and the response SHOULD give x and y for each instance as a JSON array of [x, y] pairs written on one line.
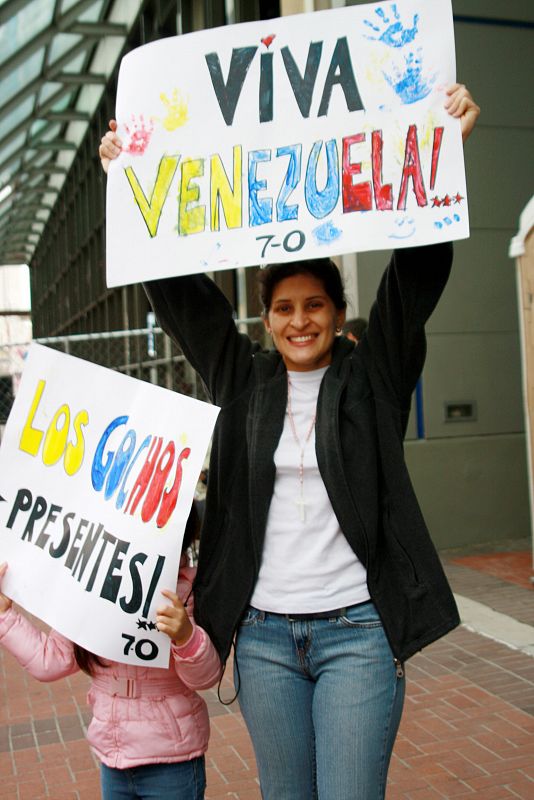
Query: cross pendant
[[301, 503]]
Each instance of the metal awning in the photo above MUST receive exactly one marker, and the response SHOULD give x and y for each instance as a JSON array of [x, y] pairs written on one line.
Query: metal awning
[[55, 59]]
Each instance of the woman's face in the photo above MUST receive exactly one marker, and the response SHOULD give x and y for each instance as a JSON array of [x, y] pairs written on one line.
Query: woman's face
[[302, 320]]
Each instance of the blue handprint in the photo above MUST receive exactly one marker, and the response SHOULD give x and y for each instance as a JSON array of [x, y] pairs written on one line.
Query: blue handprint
[[391, 31], [410, 84]]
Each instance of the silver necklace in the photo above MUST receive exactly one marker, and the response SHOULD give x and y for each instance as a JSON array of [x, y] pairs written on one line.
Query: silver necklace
[[300, 501]]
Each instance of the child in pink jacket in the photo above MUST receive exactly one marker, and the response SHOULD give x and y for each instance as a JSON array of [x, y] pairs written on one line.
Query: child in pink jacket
[[149, 728]]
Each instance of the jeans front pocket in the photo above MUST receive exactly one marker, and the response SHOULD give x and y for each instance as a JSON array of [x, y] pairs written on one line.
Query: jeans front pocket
[[362, 615], [252, 616]]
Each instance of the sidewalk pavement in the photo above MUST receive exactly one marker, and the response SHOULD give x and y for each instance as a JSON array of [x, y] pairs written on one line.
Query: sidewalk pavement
[[467, 729]]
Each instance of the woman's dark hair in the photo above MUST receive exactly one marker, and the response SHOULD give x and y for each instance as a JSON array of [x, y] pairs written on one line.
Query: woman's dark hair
[[86, 660], [322, 268]]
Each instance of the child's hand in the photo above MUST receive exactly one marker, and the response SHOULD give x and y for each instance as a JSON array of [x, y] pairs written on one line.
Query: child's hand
[[110, 145], [5, 602], [174, 620]]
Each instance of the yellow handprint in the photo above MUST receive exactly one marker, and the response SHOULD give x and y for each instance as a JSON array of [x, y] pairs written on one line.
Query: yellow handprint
[[176, 110]]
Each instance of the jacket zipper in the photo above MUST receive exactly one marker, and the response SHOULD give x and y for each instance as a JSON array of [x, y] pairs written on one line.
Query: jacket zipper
[[399, 668]]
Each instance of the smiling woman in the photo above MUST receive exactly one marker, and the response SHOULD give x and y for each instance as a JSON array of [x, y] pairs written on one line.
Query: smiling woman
[[313, 547], [304, 308]]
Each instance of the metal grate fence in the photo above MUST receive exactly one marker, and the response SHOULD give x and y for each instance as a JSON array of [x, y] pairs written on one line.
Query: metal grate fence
[[146, 353]]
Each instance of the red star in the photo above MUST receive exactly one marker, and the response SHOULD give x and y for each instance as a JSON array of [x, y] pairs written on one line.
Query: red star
[[457, 198], [446, 200], [436, 202]]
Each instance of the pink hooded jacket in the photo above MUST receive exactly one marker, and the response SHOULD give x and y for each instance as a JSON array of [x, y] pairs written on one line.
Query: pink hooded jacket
[[141, 715]]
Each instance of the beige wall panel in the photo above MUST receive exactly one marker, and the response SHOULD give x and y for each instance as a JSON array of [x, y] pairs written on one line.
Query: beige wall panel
[[478, 368], [472, 490], [370, 269], [500, 176], [497, 63], [521, 10], [481, 294]]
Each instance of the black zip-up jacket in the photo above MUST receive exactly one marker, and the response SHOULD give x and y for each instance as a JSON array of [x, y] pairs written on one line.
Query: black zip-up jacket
[[362, 412]]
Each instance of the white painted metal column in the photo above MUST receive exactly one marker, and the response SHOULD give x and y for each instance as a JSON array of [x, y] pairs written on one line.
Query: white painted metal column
[[522, 249]]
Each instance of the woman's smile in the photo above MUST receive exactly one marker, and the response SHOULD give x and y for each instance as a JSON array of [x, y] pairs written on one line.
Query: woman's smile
[[301, 339]]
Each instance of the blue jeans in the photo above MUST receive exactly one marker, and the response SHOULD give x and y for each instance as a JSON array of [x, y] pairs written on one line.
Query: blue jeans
[[322, 700], [183, 780]]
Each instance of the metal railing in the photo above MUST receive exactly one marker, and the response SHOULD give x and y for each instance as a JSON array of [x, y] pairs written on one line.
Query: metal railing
[[145, 353]]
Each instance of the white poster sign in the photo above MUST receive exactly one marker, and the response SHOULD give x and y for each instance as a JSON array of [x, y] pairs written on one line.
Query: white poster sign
[[292, 138], [97, 476]]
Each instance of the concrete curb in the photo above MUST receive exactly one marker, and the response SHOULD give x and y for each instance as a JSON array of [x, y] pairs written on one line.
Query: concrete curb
[[502, 628]]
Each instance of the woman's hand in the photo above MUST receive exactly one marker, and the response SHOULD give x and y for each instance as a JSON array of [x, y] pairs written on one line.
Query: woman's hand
[[174, 620], [5, 602], [461, 105], [110, 145]]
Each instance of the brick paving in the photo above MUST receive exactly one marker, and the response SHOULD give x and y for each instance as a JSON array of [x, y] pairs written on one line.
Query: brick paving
[[513, 567], [467, 730], [507, 598]]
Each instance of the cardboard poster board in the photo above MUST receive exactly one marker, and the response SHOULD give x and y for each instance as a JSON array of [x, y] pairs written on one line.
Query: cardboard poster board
[[292, 138], [97, 476]]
